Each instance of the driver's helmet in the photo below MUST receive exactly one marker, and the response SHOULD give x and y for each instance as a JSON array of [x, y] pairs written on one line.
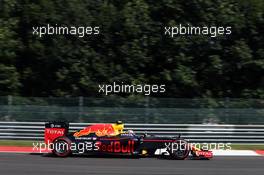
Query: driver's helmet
[[130, 132]]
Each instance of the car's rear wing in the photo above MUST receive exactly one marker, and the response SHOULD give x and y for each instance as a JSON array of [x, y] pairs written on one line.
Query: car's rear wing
[[54, 130]]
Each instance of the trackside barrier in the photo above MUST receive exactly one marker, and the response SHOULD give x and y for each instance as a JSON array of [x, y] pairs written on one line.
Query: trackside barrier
[[193, 132]]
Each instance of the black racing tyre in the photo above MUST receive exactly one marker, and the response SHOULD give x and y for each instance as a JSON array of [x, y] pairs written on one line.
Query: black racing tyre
[[62, 147], [179, 150]]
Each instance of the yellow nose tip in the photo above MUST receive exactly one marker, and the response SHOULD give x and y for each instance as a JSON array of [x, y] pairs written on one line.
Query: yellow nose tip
[[144, 151]]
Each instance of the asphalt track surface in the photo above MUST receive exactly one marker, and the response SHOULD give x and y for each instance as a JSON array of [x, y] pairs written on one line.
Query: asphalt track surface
[[27, 164]]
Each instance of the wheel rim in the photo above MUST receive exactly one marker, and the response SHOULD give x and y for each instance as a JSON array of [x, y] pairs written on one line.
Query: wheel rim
[[181, 151], [61, 147]]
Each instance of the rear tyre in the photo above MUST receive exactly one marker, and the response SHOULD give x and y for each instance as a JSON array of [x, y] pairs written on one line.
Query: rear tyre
[[179, 150], [62, 147]]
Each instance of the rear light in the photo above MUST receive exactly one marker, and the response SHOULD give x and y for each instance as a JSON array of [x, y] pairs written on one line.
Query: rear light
[[54, 130]]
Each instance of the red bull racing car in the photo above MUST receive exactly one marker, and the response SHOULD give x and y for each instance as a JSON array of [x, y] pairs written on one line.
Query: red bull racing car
[[110, 139]]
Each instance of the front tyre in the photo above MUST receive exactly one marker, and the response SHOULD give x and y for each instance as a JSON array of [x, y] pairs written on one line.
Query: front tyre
[[179, 150], [62, 147]]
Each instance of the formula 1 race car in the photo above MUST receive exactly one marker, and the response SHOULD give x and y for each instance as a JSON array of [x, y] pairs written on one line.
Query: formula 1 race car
[[110, 139]]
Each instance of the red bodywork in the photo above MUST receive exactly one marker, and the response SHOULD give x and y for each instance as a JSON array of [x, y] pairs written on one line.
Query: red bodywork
[[54, 130], [52, 133], [205, 154]]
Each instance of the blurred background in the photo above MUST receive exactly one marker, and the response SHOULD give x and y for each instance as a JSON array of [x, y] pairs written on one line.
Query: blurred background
[[133, 110], [56, 77]]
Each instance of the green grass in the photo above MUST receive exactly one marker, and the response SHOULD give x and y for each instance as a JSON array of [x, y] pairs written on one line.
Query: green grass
[[247, 147], [17, 142], [30, 143]]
